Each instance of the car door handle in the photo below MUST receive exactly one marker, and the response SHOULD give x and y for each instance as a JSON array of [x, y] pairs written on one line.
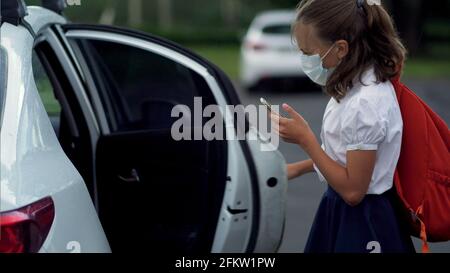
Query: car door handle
[[133, 177], [236, 211]]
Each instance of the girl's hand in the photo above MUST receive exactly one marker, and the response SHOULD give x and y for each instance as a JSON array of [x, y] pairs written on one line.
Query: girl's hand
[[293, 130]]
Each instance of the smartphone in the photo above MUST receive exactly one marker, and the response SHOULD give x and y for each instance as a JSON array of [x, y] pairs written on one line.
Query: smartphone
[[268, 105]]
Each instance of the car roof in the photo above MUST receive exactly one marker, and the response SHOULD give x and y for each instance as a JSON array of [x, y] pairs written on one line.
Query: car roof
[[274, 17]]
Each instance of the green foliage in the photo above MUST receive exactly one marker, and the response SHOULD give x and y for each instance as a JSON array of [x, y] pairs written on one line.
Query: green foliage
[[186, 35], [427, 68], [225, 56], [48, 98]]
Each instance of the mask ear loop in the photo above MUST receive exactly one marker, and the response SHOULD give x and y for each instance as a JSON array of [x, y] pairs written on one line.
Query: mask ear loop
[[328, 52]]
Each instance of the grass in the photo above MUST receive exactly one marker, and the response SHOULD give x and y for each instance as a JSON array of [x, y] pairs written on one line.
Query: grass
[[427, 68], [227, 58]]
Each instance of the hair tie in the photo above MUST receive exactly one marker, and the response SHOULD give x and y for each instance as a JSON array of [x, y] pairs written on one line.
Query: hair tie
[[360, 3]]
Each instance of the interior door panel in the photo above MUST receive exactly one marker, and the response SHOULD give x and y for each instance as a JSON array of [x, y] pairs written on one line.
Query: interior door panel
[[157, 194]]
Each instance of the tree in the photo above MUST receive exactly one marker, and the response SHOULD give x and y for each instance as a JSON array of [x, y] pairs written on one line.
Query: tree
[[108, 15], [230, 12], [409, 17], [135, 13], [165, 13]]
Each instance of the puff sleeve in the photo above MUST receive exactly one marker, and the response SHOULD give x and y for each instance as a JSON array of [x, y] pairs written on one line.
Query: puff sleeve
[[319, 174], [363, 125]]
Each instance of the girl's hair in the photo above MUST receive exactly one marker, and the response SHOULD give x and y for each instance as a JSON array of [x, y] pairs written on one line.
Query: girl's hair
[[371, 35]]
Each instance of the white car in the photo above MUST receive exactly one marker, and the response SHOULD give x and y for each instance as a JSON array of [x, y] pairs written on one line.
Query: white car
[[112, 177], [268, 51]]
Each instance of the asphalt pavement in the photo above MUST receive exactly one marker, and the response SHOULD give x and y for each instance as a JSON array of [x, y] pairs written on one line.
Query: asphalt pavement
[[304, 193]]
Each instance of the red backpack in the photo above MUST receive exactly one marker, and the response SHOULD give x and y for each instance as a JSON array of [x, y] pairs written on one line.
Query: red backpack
[[422, 178]]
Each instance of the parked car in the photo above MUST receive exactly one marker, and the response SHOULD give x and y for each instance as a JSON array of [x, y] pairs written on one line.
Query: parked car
[[108, 175], [268, 50]]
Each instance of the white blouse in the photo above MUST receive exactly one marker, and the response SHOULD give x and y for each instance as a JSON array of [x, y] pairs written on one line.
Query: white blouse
[[368, 118]]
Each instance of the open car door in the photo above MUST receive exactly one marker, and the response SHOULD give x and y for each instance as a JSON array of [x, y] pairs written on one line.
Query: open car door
[[154, 193]]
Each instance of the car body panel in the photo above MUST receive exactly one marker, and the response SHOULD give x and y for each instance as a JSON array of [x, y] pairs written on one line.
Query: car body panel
[[234, 230], [278, 56], [33, 164], [273, 17], [38, 18], [273, 186]]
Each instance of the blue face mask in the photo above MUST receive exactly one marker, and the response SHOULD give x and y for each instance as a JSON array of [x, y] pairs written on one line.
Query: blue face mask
[[312, 66]]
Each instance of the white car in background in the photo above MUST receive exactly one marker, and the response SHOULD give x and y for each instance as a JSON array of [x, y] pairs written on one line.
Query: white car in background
[[104, 173], [268, 51]]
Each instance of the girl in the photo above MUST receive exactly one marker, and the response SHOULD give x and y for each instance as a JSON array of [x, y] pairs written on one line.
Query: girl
[[352, 49]]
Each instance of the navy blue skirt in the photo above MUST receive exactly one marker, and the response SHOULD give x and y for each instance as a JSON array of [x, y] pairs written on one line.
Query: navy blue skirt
[[372, 226]]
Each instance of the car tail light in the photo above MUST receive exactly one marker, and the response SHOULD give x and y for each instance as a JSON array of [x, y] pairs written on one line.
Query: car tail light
[[256, 46], [25, 230]]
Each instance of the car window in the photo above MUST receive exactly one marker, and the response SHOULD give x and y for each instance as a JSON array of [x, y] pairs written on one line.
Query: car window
[[3, 77], [45, 88], [138, 88], [279, 29]]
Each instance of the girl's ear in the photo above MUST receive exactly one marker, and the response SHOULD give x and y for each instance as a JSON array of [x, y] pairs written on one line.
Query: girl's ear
[[342, 49]]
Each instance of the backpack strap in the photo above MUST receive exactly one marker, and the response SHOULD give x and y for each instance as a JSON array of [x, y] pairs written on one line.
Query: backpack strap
[[423, 230]]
